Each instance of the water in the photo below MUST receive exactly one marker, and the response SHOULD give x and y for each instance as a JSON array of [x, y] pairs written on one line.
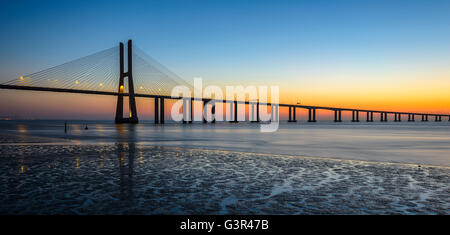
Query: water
[[415, 143], [321, 168]]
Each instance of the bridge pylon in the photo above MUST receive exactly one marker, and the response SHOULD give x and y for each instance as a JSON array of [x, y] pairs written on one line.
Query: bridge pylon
[[133, 118]]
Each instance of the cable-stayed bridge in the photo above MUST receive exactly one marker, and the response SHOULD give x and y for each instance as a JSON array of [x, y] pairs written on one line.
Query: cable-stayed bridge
[[105, 72]]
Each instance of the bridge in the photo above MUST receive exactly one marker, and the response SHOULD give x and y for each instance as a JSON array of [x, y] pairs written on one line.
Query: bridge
[[153, 80]]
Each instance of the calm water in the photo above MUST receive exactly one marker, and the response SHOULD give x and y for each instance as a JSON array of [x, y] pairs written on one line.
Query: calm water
[[416, 143], [321, 168]]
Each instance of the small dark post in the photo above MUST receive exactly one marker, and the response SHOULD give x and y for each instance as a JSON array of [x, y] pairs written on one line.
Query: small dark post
[[314, 115], [395, 117], [385, 117], [399, 117], [161, 117], [340, 115], [426, 117], [409, 117], [412, 117], [353, 115], [368, 117], [335, 116], [381, 117], [357, 116], [65, 127], [156, 110], [423, 118]]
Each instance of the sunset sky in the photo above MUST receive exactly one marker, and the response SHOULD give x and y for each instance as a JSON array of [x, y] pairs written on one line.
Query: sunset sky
[[389, 55]]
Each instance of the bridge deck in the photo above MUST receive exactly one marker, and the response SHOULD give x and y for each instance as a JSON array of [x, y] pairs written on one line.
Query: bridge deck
[[31, 88]]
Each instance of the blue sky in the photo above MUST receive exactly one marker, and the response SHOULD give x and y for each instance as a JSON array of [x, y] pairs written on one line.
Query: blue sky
[[213, 36]]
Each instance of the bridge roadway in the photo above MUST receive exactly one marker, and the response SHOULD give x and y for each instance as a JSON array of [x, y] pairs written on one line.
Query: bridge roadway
[[293, 106]]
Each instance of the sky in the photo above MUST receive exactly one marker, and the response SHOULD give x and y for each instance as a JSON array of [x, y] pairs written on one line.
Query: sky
[[390, 55]]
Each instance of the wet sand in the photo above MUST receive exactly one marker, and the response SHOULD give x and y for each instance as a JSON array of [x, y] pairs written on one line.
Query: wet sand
[[129, 178]]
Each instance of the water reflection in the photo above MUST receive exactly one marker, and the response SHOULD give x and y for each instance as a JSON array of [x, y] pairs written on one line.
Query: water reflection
[[126, 152], [21, 128], [126, 132]]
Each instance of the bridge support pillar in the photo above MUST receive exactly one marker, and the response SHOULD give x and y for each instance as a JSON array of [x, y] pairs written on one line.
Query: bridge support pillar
[[274, 113], [292, 114], [161, 112], [205, 111], [355, 116], [438, 118], [257, 112], [156, 110], [186, 109], [191, 110], [234, 112], [383, 117], [133, 118], [213, 113], [254, 113], [312, 114], [369, 116], [337, 115]]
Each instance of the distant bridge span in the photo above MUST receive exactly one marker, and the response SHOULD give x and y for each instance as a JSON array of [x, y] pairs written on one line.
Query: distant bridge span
[[91, 66], [311, 108]]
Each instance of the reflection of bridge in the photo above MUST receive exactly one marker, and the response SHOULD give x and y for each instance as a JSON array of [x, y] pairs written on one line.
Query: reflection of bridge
[[81, 76]]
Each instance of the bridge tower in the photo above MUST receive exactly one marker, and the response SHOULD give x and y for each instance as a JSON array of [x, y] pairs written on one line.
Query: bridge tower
[[133, 118]]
